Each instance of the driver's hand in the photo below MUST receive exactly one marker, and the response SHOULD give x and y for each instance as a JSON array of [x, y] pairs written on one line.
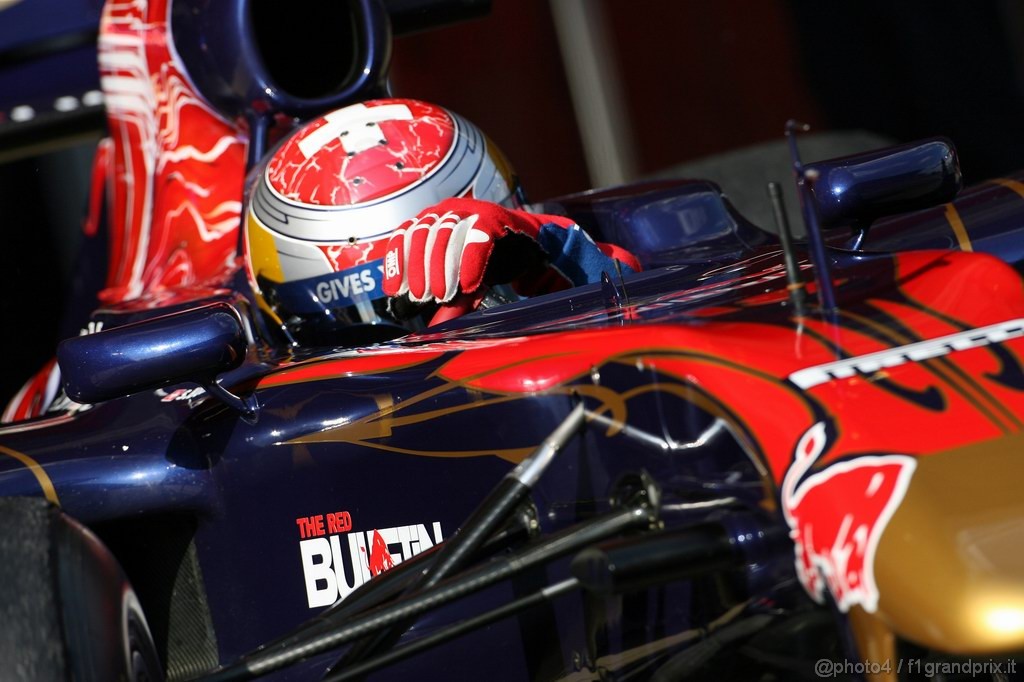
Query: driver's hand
[[447, 248], [458, 245]]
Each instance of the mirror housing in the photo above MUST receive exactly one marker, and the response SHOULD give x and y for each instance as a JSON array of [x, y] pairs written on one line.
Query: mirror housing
[[856, 190], [193, 345]]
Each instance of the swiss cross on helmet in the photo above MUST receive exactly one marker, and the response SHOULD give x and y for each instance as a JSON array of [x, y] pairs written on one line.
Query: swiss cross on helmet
[[325, 201]]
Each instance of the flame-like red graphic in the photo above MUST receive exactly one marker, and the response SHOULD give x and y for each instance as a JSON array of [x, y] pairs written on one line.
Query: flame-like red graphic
[[177, 166]]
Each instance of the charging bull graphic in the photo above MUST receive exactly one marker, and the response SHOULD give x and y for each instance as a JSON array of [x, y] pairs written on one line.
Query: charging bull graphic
[[837, 516]]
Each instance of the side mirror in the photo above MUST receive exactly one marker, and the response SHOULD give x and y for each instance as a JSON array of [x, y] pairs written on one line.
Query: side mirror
[[856, 190], [193, 345]]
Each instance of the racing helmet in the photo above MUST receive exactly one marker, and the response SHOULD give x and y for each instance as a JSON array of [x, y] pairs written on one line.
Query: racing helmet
[[323, 204]]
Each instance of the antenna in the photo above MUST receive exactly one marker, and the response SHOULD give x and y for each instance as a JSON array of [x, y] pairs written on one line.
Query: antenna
[[796, 288], [804, 180]]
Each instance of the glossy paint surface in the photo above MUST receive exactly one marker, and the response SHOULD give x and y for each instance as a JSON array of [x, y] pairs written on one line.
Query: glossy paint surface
[[983, 219], [859, 189], [663, 222], [197, 345], [217, 41], [843, 431], [176, 163], [454, 408]]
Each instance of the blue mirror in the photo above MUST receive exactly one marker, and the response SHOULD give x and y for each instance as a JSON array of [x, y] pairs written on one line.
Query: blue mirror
[[193, 345], [856, 190]]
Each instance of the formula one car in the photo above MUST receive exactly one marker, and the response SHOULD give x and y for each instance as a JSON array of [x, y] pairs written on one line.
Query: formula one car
[[755, 459]]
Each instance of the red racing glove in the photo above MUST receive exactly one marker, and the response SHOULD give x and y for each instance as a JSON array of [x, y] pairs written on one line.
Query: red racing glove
[[448, 248]]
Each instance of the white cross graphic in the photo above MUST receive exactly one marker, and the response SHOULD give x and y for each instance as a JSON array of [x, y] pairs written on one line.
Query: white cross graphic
[[358, 124]]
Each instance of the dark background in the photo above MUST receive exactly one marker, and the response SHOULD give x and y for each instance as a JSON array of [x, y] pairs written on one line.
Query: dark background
[[697, 79]]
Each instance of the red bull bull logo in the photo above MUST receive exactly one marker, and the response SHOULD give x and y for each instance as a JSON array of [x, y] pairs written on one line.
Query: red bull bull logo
[[837, 516]]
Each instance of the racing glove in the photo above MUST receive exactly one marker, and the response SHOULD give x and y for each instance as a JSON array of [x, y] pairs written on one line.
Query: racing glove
[[461, 244]]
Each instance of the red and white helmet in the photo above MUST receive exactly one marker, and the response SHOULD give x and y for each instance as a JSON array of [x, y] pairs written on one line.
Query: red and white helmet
[[324, 203]]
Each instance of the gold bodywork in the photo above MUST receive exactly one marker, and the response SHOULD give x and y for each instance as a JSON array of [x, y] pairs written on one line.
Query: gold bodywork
[[950, 565]]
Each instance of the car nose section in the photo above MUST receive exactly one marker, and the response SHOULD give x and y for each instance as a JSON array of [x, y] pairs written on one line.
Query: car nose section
[[949, 565]]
